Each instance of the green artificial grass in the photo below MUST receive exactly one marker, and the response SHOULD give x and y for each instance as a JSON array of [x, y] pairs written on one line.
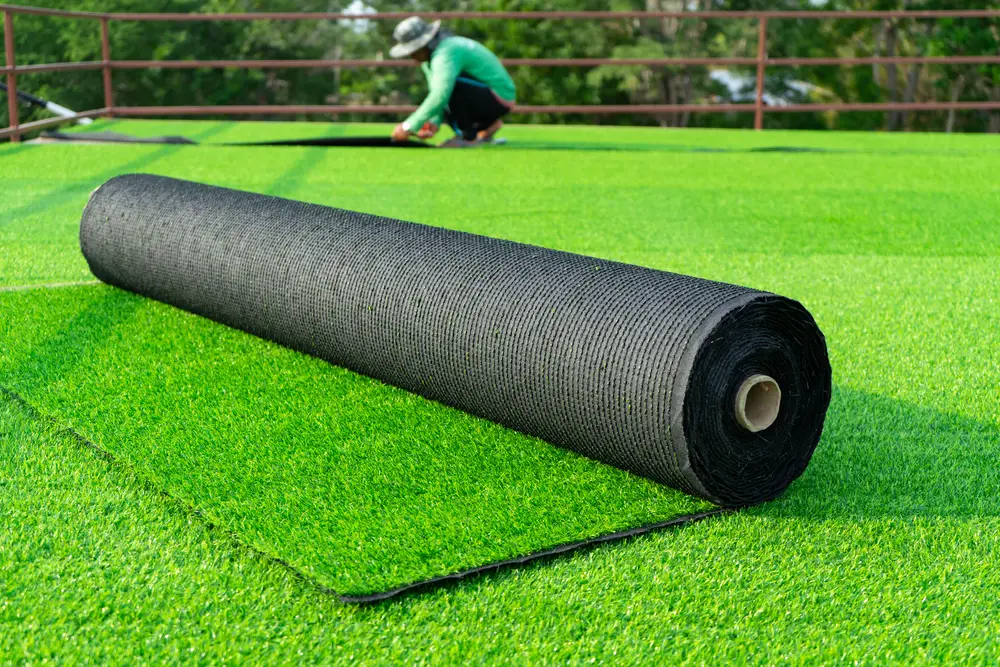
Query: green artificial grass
[[632, 206], [886, 550], [573, 137], [361, 486]]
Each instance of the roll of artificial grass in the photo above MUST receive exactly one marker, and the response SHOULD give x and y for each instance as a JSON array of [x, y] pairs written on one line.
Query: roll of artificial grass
[[714, 389]]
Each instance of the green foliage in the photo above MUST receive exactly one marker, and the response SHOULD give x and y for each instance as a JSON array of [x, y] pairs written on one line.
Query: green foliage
[[42, 39]]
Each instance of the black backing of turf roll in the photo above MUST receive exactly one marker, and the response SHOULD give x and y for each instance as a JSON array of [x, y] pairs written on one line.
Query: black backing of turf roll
[[331, 142], [342, 142], [634, 367], [114, 138]]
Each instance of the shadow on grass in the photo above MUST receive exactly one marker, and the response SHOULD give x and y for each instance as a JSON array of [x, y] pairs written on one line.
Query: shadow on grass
[[291, 179], [78, 189], [667, 148], [661, 148], [7, 150], [84, 333], [90, 329], [183, 129], [203, 129], [104, 124], [884, 458]]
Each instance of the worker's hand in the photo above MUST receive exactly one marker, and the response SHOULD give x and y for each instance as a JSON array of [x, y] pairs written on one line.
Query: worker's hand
[[428, 130], [400, 133]]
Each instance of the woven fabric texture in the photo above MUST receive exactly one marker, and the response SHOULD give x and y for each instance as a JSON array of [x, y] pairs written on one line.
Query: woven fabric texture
[[631, 366]]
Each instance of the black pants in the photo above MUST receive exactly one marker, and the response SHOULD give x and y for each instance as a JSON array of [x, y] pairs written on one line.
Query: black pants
[[472, 108]]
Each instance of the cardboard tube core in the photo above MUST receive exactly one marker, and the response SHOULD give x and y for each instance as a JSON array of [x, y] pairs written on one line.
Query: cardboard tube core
[[758, 402]]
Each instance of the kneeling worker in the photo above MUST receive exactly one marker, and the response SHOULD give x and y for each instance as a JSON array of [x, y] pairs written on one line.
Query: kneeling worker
[[469, 88]]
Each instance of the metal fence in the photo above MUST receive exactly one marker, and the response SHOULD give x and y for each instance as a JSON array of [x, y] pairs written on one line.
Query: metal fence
[[107, 66]]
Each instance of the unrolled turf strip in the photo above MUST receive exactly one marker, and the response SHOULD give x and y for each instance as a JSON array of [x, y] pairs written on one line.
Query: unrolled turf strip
[[594, 356], [338, 475], [637, 368]]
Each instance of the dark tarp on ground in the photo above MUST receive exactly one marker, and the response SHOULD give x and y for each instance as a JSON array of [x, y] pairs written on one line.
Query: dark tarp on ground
[[368, 142], [115, 137]]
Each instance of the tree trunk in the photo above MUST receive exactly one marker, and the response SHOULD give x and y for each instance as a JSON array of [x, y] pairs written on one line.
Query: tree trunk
[[666, 94], [673, 86], [668, 27], [994, 126], [338, 53], [686, 116], [909, 95], [892, 76], [956, 92], [913, 77], [879, 34]]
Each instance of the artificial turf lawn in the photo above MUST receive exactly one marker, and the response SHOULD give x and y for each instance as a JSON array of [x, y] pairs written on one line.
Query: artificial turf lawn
[[886, 549], [571, 137], [360, 486]]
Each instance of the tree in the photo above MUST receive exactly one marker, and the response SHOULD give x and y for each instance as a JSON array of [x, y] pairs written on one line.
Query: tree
[[46, 39]]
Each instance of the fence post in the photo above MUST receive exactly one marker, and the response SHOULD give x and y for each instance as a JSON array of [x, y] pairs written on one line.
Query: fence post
[[8, 45], [758, 109], [109, 101]]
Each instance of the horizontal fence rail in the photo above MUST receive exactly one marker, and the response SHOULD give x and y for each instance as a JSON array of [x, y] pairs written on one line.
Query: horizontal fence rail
[[335, 109], [50, 122], [534, 15], [591, 109], [106, 65], [509, 62]]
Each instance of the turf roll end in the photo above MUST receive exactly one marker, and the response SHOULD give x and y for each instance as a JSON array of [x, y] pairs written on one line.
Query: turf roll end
[[758, 402]]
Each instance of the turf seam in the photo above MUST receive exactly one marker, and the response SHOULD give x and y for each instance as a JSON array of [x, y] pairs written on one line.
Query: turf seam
[[424, 585]]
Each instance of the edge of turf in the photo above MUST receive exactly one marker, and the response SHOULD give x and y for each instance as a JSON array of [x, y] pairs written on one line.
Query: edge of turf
[[111, 459], [423, 585], [533, 557]]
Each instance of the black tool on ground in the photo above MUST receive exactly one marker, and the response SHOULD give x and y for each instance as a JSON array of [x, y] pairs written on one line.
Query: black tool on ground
[[113, 138], [347, 142], [361, 142], [57, 109], [27, 97]]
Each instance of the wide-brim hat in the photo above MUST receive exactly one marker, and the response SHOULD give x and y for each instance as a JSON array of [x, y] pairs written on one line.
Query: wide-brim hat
[[412, 34]]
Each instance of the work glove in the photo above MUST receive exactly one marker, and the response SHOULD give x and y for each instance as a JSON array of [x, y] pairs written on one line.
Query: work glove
[[428, 130]]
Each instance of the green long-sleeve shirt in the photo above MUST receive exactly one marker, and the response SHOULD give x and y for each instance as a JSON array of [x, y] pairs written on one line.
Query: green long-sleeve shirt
[[452, 57]]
